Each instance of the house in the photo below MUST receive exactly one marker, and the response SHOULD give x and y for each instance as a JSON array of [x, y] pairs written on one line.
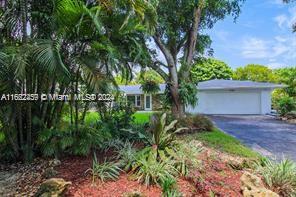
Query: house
[[214, 97], [142, 101]]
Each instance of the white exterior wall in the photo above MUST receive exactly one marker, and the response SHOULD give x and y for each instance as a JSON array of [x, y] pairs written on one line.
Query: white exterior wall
[[241, 101]]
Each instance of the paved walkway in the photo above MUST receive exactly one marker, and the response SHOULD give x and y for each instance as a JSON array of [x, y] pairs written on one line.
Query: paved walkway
[[265, 134]]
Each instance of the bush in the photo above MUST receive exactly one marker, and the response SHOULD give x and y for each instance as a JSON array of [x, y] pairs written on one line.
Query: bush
[[169, 188], [55, 142], [196, 123], [149, 170], [104, 171], [286, 105], [280, 177], [127, 155]]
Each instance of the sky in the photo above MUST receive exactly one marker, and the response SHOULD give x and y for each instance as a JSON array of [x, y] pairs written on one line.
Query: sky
[[261, 35]]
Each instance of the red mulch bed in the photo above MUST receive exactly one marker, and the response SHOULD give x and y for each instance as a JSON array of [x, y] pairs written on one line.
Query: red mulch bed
[[214, 176]]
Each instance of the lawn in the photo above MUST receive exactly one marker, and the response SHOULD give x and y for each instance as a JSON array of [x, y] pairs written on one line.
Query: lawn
[[142, 117], [218, 140]]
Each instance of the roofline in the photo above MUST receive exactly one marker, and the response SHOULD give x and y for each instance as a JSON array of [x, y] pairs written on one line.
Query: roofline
[[243, 87]]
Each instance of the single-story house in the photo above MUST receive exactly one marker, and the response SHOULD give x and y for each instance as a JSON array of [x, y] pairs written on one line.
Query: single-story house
[[214, 97]]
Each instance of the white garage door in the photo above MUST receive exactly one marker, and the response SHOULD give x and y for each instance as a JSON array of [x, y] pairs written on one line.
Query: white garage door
[[229, 102]]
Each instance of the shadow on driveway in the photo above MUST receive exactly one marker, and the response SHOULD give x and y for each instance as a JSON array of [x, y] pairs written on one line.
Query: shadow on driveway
[[265, 134]]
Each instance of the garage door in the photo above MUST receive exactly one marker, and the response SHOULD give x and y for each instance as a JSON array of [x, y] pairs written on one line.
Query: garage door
[[229, 102]]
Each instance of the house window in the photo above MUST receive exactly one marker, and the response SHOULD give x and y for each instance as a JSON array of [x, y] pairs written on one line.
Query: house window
[[138, 100], [134, 100]]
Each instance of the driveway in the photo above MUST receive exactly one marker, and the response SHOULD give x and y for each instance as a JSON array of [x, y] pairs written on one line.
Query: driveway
[[265, 134]]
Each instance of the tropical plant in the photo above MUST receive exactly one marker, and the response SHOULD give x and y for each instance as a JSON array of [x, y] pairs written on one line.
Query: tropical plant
[[150, 170], [169, 188], [104, 171], [286, 104], [163, 135], [126, 155], [185, 157], [54, 142], [207, 69], [280, 177], [150, 86]]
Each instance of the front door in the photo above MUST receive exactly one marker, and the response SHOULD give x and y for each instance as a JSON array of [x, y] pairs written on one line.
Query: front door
[[148, 102]]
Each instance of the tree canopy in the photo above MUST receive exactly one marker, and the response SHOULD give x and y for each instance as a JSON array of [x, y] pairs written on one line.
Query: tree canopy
[[254, 72], [207, 69]]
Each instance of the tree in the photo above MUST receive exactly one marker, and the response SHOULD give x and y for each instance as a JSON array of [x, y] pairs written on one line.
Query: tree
[[287, 76], [178, 32], [254, 72], [73, 47], [207, 69]]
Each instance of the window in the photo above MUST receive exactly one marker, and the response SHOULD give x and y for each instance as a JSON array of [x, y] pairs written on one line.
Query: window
[[138, 100], [134, 100]]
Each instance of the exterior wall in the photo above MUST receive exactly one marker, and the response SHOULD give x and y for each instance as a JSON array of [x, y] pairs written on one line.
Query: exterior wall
[[265, 101], [247, 101]]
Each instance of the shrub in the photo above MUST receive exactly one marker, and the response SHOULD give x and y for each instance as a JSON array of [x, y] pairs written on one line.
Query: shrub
[[185, 157], [280, 177], [196, 123], [104, 171], [149, 170], [55, 142], [169, 188], [162, 135], [286, 105], [127, 155]]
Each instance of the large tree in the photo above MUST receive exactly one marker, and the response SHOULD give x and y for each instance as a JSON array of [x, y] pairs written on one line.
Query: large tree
[[178, 36], [207, 69], [254, 72]]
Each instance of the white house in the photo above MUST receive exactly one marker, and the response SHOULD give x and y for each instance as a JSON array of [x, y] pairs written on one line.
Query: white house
[[233, 97], [214, 97]]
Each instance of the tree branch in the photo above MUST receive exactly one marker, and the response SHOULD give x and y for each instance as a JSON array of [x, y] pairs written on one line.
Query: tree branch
[[166, 52], [156, 66]]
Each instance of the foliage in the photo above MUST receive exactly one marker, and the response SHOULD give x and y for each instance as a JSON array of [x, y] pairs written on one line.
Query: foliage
[[196, 123], [286, 104], [287, 76], [148, 75], [254, 72], [104, 171], [126, 155], [150, 86], [207, 69], [149, 170], [115, 118], [169, 188], [219, 140], [54, 142], [280, 177], [188, 93], [163, 135], [185, 156], [142, 118]]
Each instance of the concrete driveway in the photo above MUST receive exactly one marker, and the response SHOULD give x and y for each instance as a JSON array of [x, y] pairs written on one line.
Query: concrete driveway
[[265, 134]]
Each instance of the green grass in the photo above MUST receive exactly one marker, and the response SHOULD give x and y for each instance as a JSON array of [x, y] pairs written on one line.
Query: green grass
[[142, 117], [218, 140]]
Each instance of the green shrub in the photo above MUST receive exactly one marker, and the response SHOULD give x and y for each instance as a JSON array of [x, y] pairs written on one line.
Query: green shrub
[[280, 177], [104, 171], [185, 157], [127, 155], [286, 105], [55, 142], [169, 188], [196, 123], [149, 170], [163, 135]]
